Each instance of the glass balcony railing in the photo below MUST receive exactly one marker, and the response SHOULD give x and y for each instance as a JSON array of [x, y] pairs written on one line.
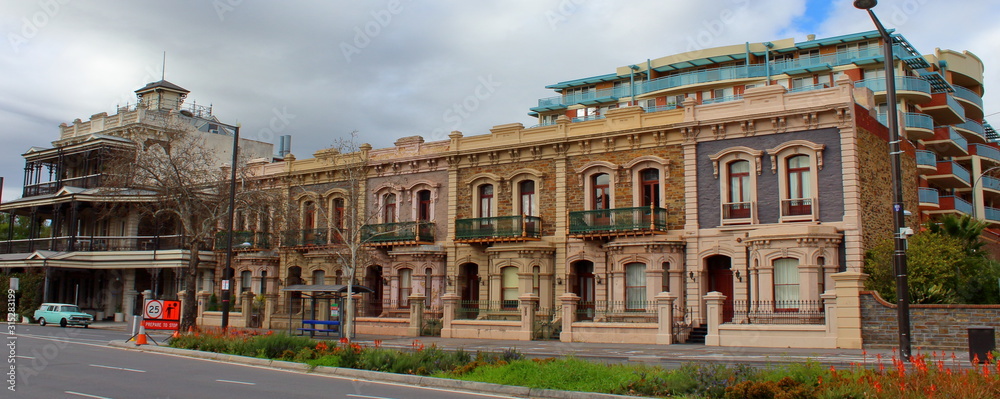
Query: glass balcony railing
[[972, 126], [588, 118], [992, 214], [990, 182], [498, 228], [659, 108], [948, 133], [918, 121], [618, 220], [817, 86], [398, 232], [954, 105], [702, 76], [956, 203], [968, 95], [987, 151], [582, 97], [243, 239], [926, 158], [928, 195], [955, 169], [722, 99], [903, 83]]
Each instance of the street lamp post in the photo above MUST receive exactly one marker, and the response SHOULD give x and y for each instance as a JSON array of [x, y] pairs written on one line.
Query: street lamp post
[[227, 272], [899, 222]]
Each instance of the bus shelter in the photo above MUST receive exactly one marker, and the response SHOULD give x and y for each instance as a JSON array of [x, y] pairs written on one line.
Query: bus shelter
[[326, 307]]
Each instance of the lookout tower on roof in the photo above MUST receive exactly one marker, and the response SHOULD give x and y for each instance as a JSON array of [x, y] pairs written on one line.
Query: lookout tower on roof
[[161, 95]]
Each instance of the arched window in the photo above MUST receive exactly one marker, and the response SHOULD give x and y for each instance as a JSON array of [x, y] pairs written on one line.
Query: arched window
[[635, 286], [786, 284], [536, 280], [389, 208], [263, 282], [799, 194], [309, 215], [428, 278], [246, 279], [601, 190], [650, 186], [319, 277], [338, 213], [338, 277], [529, 204], [424, 206], [738, 200], [509, 286], [405, 287], [486, 201]]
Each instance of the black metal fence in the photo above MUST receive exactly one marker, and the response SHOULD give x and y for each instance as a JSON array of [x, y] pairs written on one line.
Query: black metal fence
[[617, 311], [778, 312]]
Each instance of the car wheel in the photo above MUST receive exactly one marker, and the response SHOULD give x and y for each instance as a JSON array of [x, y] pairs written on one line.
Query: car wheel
[[41, 321], [63, 323], [86, 326]]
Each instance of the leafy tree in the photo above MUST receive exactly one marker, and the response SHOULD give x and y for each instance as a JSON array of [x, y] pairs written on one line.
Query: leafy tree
[[21, 227], [965, 229], [940, 269]]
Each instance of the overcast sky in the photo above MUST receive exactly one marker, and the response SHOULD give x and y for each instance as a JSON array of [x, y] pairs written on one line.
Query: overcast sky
[[320, 69]]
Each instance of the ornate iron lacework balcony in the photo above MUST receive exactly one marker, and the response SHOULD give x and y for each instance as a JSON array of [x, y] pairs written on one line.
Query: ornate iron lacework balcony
[[257, 240], [641, 220], [401, 233], [94, 244], [308, 237], [498, 229]]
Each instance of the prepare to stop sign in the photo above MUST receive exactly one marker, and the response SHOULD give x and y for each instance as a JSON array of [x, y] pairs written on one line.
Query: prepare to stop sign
[[161, 315]]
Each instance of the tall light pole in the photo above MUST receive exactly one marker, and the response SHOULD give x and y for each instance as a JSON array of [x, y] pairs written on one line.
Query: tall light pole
[[981, 175], [899, 222], [227, 272]]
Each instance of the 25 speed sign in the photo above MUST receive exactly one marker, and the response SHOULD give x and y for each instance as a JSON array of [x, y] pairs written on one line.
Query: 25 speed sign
[[154, 309]]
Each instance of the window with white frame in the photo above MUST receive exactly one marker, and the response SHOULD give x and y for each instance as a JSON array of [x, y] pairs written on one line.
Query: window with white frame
[[786, 284], [246, 279], [737, 169], [536, 280], [797, 163], [485, 197], [405, 287], [739, 202], [508, 276], [635, 286]]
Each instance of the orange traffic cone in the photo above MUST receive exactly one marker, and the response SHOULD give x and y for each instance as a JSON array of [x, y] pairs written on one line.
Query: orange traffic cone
[[141, 339], [177, 334]]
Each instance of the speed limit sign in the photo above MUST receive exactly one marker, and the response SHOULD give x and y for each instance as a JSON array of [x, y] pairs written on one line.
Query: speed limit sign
[[154, 309]]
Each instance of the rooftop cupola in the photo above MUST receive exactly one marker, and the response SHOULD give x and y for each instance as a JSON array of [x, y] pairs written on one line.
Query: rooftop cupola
[[161, 95]]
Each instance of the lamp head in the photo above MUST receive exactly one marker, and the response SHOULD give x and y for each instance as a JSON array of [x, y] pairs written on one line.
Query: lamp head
[[865, 4]]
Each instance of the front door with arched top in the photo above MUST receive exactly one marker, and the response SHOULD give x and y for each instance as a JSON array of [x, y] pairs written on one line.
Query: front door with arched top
[[720, 279]]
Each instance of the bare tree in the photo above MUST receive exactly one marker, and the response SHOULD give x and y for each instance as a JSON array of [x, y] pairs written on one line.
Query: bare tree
[[351, 165], [172, 173]]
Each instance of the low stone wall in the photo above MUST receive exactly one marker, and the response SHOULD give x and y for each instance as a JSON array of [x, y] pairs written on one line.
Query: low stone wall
[[214, 319], [777, 336], [615, 333], [485, 329], [933, 327], [382, 326]]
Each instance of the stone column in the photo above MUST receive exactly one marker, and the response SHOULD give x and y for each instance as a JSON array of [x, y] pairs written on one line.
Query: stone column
[[665, 317], [451, 301], [527, 304], [416, 314], [830, 312], [246, 309], [848, 291], [713, 303], [202, 304], [270, 304], [182, 297], [569, 302], [128, 305]]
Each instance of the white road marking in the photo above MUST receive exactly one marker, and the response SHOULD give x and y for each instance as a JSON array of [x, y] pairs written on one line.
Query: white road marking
[[238, 382], [350, 395], [117, 368], [87, 396]]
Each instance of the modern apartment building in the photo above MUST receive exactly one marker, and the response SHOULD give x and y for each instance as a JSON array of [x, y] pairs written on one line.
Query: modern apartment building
[[97, 256]]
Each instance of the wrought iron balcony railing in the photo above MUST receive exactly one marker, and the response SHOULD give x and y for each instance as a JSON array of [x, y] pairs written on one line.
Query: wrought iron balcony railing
[[243, 239], [401, 232], [504, 228], [618, 221], [307, 237]]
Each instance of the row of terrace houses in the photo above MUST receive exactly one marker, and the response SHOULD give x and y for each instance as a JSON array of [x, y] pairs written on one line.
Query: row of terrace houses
[[724, 196]]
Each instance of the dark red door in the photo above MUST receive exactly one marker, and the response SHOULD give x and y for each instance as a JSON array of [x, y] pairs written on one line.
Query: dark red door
[[720, 278]]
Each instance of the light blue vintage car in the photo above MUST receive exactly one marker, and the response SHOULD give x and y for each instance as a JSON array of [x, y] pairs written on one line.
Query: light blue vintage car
[[62, 313]]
